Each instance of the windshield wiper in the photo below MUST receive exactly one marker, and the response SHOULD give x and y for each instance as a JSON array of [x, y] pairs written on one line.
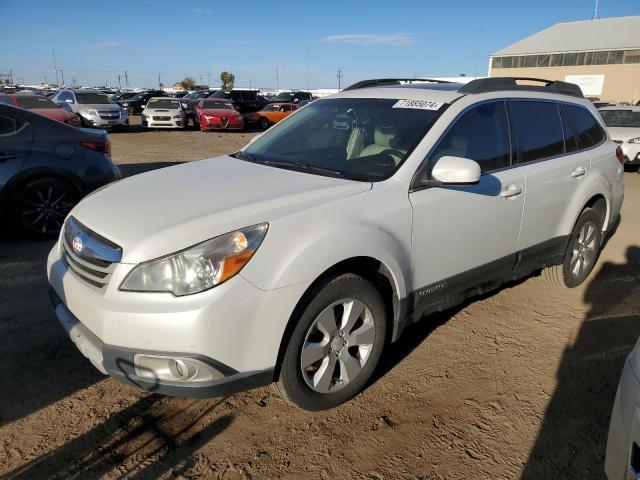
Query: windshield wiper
[[303, 167], [243, 156]]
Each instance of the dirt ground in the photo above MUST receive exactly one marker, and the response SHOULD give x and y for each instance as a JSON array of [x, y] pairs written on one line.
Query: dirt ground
[[518, 384]]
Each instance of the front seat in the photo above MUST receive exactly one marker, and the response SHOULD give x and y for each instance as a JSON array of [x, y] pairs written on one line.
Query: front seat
[[385, 139]]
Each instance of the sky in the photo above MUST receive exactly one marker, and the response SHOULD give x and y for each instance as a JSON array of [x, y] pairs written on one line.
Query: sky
[[284, 43]]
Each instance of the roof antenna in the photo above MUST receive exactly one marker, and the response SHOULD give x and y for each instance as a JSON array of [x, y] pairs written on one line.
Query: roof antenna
[[596, 12]]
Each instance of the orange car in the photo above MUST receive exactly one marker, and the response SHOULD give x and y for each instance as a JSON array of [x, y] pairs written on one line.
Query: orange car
[[271, 114]]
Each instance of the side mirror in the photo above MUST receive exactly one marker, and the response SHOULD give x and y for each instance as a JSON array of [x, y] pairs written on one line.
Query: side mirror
[[456, 170]]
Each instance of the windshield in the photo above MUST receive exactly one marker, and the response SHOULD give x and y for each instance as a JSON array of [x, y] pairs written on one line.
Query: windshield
[[33, 101], [217, 105], [193, 95], [89, 98], [284, 96], [620, 118], [271, 108], [219, 95], [357, 138], [163, 103]]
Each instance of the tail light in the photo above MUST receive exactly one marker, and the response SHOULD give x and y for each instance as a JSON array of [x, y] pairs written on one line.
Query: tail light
[[620, 154], [103, 146]]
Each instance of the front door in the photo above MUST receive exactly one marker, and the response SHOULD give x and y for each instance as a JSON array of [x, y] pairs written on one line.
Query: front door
[[15, 145], [466, 234]]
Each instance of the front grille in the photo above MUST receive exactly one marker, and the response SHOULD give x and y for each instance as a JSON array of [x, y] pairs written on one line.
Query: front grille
[[89, 256], [109, 115], [162, 119]]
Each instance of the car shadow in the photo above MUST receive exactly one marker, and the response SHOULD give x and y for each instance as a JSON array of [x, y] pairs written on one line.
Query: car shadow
[[152, 437], [572, 439]]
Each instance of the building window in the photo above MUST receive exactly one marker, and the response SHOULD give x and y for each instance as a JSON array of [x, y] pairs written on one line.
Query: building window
[[608, 57]]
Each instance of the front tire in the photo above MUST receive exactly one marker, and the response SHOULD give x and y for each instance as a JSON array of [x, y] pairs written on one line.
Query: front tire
[[335, 345], [582, 252], [264, 123]]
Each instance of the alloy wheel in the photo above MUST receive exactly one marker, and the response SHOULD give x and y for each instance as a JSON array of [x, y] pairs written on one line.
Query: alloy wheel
[[584, 250], [44, 208], [337, 345]]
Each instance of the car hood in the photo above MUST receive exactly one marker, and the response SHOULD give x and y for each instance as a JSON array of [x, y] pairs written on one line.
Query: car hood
[[108, 107], [220, 112], [166, 210], [171, 111], [624, 133]]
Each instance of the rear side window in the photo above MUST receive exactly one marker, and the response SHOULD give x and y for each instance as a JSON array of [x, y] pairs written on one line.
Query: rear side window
[[588, 130], [539, 129], [481, 134]]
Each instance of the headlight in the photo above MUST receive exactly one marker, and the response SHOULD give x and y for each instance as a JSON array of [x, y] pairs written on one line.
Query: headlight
[[91, 113], [634, 140], [178, 116], [200, 267]]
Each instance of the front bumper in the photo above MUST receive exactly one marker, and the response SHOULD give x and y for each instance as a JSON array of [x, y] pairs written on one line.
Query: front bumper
[[215, 123], [121, 363], [107, 124], [227, 338], [149, 122], [624, 429]]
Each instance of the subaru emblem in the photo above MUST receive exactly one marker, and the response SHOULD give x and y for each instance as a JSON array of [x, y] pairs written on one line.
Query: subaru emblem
[[76, 243]]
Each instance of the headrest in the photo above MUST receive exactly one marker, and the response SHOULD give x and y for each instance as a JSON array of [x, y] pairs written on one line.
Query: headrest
[[385, 135]]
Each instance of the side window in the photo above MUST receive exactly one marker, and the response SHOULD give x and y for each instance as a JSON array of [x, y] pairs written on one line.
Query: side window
[[286, 108], [481, 134], [588, 130], [539, 129], [235, 96], [9, 125], [64, 96]]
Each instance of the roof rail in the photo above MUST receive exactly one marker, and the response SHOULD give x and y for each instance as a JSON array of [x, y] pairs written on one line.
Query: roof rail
[[495, 84], [379, 82]]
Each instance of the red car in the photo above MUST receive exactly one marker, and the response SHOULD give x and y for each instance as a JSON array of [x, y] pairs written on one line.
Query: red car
[[42, 105], [218, 114]]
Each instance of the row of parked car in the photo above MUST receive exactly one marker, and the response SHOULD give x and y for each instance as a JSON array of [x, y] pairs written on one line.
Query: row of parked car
[[206, 110]]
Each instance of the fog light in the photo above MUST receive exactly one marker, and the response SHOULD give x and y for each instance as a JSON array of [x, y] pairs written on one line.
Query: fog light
[[176, 369]]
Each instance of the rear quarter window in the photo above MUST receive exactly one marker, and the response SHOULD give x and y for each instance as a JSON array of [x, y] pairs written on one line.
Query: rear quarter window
[[587, 129]]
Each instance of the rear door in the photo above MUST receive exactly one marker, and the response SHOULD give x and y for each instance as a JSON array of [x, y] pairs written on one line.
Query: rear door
[[15, 144], [553, 167]]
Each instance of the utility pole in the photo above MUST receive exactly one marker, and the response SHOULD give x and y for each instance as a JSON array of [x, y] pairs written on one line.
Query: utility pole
[[159, 81], [307, 69], [73, 80], [11, 77], [126, 79], [55, 64], [596, 11], [340, 77], [209, 78], [119, 83], [277, 80]]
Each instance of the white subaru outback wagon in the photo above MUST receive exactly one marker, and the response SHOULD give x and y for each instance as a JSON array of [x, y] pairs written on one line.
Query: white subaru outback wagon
[[297, 258]]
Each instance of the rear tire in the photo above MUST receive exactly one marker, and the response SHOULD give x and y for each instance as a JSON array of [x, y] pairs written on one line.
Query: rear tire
[[264, 123], [343, 330], [38, 208], [582, 252]]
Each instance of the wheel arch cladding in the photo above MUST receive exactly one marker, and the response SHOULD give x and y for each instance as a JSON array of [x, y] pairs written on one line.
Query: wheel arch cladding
[[593, 193], [367, 267]]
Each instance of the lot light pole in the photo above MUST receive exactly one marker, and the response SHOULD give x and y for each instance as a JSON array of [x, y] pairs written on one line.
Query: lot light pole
[[340, 77]]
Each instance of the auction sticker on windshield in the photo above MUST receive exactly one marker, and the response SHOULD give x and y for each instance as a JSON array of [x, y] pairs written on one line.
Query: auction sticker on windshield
[[418, 104]]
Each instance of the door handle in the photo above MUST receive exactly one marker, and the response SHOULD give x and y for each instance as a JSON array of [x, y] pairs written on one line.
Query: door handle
[[512, 190], [7, 156], [578, 172]]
